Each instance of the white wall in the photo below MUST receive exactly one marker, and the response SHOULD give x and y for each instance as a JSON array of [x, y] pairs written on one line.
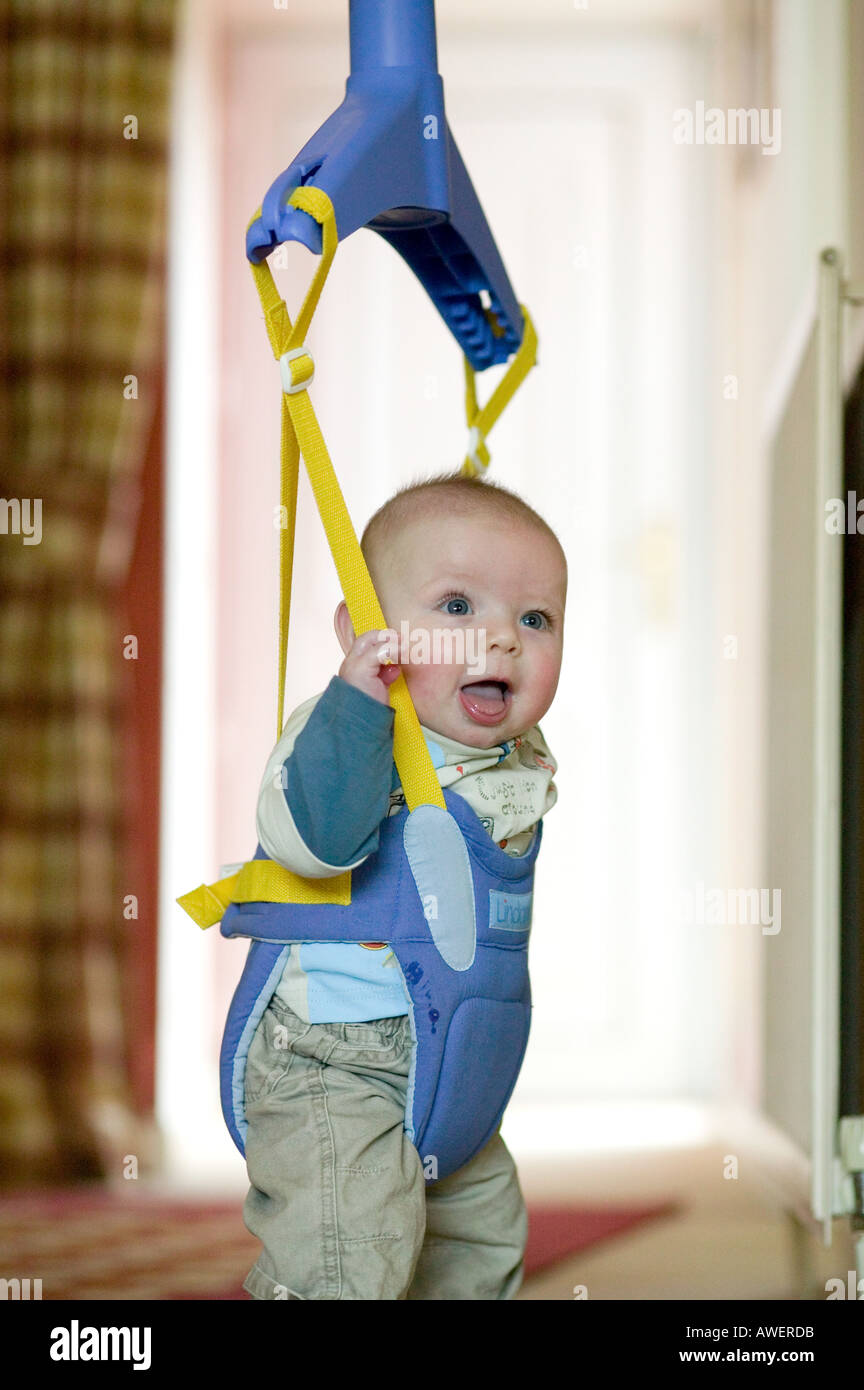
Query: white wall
[[185, 1025], [774, 216]]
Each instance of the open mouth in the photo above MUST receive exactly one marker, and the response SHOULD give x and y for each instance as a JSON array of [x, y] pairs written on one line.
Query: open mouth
[[487, 702]]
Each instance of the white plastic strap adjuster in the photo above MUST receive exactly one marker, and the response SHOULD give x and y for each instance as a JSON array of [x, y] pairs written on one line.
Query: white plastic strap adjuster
[[475, 439], [288, 386]]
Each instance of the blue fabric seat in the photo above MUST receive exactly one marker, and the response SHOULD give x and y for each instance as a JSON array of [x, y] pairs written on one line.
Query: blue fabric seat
[[456, 912]]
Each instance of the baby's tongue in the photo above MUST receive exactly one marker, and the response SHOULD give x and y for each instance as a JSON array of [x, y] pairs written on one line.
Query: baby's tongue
[[485, 696]]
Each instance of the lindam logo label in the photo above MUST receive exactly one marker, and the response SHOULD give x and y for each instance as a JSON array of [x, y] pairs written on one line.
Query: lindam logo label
[[509, 911]]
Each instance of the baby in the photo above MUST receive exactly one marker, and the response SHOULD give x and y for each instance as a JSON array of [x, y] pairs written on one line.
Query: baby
[[338, 1195]]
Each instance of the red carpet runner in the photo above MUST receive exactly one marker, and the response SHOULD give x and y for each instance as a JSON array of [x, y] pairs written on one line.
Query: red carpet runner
[[97, 1245]]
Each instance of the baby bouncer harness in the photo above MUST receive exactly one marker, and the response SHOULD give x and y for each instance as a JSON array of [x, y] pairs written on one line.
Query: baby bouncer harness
[[453, 907]]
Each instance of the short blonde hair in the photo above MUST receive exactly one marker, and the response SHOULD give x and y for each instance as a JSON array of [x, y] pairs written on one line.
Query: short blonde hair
[[437, 495]]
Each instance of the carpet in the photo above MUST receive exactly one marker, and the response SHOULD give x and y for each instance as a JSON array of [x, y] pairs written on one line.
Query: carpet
[[85, 1244]]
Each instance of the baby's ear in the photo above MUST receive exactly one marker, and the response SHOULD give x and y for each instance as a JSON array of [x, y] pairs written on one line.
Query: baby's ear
[[344, 629]]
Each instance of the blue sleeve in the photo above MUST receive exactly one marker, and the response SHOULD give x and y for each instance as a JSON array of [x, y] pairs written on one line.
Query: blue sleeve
[[339, 774]]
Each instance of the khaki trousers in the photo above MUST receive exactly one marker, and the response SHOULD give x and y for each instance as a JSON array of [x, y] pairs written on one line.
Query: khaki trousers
[[338, 1196]]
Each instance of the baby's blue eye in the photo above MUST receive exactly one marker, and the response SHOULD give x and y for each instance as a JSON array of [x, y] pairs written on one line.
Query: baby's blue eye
[[459, 607], [535, 620]]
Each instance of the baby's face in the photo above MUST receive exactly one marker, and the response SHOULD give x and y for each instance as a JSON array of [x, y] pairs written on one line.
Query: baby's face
[[501, 585]]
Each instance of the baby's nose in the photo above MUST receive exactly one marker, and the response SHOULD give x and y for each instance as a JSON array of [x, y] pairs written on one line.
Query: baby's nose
[[503, 635]]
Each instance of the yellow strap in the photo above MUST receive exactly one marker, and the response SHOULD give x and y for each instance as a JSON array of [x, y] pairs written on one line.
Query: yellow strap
[[262, 881], [483, 420], [301, 433], [206, 905]]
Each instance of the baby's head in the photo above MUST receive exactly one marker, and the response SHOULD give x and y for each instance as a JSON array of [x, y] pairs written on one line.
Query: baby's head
[[479, 581]]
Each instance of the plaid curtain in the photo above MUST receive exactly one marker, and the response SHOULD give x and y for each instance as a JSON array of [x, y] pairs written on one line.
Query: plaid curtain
[[84, 112]]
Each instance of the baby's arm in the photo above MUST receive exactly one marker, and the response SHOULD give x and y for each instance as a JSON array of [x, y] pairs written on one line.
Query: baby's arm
[[320, 807]]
